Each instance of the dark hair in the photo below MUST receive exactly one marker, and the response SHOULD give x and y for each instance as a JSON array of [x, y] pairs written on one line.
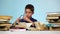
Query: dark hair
[[29, 6]]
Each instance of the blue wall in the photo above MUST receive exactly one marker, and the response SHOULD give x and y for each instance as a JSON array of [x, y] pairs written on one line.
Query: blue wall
[[16, 7]]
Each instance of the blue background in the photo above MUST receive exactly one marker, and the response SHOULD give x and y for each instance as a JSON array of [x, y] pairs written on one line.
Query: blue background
[[15, 8]]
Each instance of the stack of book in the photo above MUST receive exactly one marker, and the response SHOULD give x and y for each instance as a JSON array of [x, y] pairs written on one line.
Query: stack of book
[[54, 19], [4, 23]]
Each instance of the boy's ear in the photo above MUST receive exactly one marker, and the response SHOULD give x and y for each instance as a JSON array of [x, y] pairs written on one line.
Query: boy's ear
[[33, 12]]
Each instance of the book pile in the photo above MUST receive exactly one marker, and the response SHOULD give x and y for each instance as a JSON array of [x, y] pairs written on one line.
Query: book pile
[[4, 23], [54, 19]]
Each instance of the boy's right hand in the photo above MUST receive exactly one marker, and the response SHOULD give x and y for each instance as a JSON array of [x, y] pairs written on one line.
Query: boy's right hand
[[27, 19]]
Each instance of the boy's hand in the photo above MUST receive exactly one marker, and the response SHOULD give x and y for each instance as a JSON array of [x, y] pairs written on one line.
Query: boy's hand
[[17, 20], [27, 19]]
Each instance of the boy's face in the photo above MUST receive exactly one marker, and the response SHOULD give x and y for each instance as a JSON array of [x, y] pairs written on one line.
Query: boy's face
[[28, 13]]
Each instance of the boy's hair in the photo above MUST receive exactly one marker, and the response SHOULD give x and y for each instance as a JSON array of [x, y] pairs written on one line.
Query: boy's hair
[[29, 6]]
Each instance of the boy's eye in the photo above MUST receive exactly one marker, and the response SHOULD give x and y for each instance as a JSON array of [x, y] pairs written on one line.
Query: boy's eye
[[28, 12]]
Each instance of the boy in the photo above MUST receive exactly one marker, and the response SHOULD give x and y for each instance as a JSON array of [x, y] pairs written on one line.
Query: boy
[[29, 11]]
